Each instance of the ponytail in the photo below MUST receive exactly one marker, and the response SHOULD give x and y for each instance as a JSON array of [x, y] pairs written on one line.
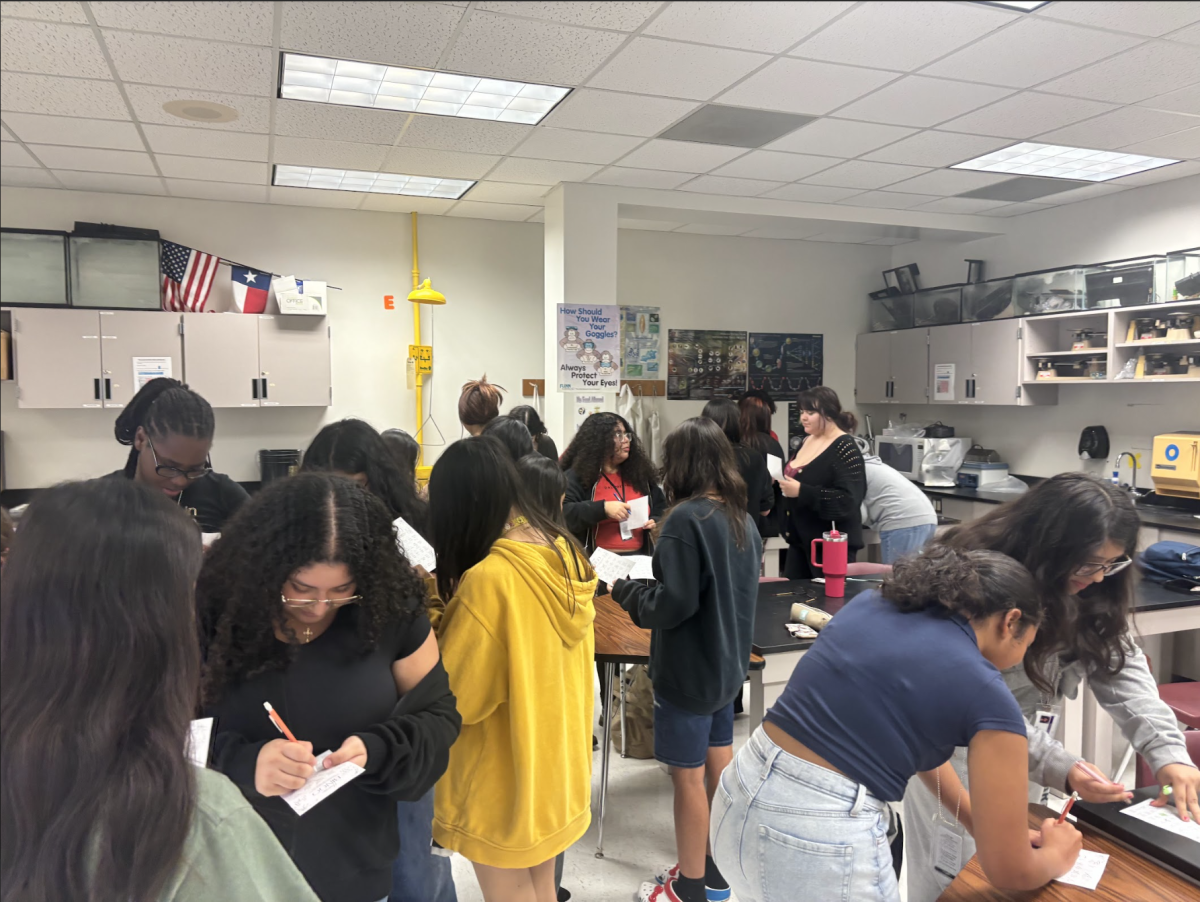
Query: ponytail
[[479, 402], [163, 407]]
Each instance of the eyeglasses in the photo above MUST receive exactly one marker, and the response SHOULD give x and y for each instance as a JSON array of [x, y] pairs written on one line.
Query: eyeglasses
[[622, 438], [1087, 571], [309, 602], [174, 472]]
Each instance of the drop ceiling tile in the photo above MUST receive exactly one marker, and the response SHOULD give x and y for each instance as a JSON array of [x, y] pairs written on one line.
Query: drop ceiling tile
[[949, 181], [1029, 52], [6, 135], [902, 36], [317, 197], [920, 101], [932, 148], [509, 193], [803, 86], [575, 147], [402, 34], [110, 183], [476, 210], [209, 170], [147, 102], [440, 163], [711, 228], [1150, 19], [1087, 192], [780, 233], [1016, 210], [618, 114], [50, 11], [681, 156], [398, 203], [329, 154], [242, 23], [1119, 128], [250, 194], [840, 138], [768, 27], [967, 205], [888, 200], [647, 225], [34, 129], [841, 238], [815, 194], [1189, 35], [26, 178], [861, 174], [653, 66], [544, 52], [300, 119], [1164, 174], [470, 135], [889, 242], [1026, 114], [88, 159], [616, 16], [1185, 100], [640, 178], [715, 184], [770, 164], [1146, 71], [203, 142], [49, 48], [185, 63], [1182, 145], [541, 172], [61, 96], [12, 154]]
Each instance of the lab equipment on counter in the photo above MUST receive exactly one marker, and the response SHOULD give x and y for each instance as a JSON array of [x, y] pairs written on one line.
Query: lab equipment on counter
[[1175, 464]]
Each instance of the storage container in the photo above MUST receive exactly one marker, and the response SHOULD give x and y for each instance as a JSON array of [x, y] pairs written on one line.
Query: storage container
[[1124, 283], [33, 268], [938, 306], [892, 313], [115, 273], [1183, 275], [987, 300], [1049, 291]]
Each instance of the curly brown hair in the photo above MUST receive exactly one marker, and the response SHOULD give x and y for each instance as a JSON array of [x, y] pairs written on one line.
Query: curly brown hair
[[593, 445], [307, 519]]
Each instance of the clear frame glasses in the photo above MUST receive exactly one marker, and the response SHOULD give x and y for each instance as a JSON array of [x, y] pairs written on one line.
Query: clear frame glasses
[[173, 472], [1087, 571]]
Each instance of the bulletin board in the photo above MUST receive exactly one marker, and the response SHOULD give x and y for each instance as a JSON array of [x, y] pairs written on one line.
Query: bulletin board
[[785, 363], [641, 342], [704, 364]]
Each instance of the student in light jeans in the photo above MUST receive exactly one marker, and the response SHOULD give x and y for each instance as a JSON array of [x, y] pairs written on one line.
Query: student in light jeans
[[895, 508]]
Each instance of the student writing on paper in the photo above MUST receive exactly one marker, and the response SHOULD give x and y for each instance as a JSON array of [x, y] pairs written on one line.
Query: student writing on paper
[[307, 603], [99, 673]]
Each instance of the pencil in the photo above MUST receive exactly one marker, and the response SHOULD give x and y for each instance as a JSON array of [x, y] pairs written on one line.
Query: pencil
[[278, 721], [1067, 809]]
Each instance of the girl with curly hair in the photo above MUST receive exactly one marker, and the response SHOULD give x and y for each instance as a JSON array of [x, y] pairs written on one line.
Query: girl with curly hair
[[606, 469], [306, 603]]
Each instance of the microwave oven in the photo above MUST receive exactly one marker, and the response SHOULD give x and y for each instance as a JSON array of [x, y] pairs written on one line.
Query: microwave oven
[[906, 453]]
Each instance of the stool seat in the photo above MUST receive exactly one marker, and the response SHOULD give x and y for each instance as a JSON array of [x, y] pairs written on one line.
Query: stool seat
[[1184, 700]]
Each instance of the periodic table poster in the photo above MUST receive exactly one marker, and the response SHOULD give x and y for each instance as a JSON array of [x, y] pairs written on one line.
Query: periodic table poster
[[785, 363], [703, 364]]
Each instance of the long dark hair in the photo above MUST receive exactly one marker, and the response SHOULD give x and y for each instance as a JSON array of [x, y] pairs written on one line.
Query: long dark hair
[[512, 436], [98, 679], [975, 584], [544, 484], [311, 518], [404, 449], [726, 415], [352, 446], [163, 407], [593, 445], [1053, 529], [824, 400], [472, 491], [698, 461], [533, 422], [755, 422]]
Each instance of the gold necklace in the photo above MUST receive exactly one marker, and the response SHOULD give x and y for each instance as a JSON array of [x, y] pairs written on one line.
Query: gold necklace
[[308, 636]]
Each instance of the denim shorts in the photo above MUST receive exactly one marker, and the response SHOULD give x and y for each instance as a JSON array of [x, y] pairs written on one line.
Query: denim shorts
[[682, 739]]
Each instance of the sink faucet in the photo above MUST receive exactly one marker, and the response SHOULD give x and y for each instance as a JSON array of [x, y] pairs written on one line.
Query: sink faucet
[[1133, 460]]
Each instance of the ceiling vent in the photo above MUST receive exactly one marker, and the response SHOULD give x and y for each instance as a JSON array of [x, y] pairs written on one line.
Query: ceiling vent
[[735, 126], [1024, 188]]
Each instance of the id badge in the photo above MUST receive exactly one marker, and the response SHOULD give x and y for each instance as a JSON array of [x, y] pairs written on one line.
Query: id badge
[[947, 852], [626, 531], [1046, 718]]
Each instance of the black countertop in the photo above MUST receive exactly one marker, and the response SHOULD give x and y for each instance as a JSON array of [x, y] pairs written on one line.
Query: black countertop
[[1163, 846]]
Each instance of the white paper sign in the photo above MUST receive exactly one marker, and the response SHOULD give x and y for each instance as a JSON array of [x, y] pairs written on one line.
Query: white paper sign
[[322, 784], [611, 567], [943, 381], [1088, 870], [586, 405], [198, 740], [1166, 818], [147, 368], [413, 546], [775, 467]]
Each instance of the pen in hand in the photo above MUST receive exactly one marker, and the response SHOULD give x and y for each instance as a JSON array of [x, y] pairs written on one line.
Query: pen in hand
[[1067, 808], [278, 721]]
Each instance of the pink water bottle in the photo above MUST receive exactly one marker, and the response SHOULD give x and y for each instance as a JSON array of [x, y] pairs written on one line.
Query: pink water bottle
[[834, 555]]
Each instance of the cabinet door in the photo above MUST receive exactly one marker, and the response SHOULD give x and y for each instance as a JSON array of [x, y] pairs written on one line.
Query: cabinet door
[[135, 347], [293, 355], [996, 361], [220, 357], [57, 356], [910, 366], [950, 345], [872, 368]]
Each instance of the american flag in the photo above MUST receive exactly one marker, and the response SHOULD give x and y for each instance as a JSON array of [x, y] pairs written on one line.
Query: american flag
[[187, 278]]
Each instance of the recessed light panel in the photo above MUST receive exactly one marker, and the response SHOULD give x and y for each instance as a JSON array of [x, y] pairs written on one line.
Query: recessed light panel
[[370, 182], [1056, 162], [323, 80]]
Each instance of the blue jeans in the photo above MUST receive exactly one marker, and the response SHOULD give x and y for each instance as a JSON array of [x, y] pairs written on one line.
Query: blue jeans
[[783, 828], [894, 543], [417, 874], [682, 739]]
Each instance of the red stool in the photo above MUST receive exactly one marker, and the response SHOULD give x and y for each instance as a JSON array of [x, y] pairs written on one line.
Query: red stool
[[1146, 777], [1184, 700]]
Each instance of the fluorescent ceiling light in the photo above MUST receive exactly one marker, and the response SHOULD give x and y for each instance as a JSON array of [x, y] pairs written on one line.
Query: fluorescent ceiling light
[[1056, 162], [370, 182], [324, 80], [1026, 7]]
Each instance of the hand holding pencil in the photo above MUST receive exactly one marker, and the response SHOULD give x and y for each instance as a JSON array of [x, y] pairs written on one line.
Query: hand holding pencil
[[283, 764]]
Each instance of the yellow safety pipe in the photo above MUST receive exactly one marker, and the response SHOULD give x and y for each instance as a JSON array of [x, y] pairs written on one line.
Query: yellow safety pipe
[[420, 379]]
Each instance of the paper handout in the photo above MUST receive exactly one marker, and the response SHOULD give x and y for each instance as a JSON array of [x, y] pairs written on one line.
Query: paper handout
[[1166, 818], [610, 567], [775, 467], [642, 566], [1089, 868], [321, 785], [639, 516], [198, 741], [413, 546]]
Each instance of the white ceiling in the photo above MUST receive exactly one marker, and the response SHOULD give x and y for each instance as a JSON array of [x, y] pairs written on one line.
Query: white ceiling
[[904, 91]]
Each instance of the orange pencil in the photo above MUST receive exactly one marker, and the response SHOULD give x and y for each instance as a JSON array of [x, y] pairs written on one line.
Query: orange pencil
[[278, 721], [1067, 809]]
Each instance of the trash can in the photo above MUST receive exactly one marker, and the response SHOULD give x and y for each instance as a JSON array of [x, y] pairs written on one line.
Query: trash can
[[278, 464]]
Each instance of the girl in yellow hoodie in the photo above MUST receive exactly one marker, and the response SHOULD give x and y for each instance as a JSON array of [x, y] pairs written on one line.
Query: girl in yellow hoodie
[[517, 642]]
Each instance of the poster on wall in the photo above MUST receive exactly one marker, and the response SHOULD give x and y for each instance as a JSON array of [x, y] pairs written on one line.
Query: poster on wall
[[705, 363], [641, 342], [943, 381], [785, 363], [147, 368], [589, 348], [586, 405]]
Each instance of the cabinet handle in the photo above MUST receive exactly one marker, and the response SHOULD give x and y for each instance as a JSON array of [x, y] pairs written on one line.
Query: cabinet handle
[[264, 389], [107, 389], [254, 388], [96, 388]]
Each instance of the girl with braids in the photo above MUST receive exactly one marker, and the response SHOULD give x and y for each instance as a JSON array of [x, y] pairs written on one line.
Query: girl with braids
[[895, 681], [1077, 535], [606, 469], [479, 404], [305, 602], [170, 430], [99, 673]]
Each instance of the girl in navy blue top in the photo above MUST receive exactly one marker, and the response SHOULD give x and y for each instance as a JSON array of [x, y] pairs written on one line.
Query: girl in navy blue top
[[895, 682]]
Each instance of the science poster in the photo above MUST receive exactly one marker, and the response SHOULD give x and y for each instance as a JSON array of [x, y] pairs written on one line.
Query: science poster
[[705, 363], [641, 342], [589, 348], [785, 363]]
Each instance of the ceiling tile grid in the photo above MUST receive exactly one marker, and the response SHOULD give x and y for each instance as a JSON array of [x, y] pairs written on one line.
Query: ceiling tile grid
[[48, 48], [615, 15], [239, 23], [672, 69], [764, 26]]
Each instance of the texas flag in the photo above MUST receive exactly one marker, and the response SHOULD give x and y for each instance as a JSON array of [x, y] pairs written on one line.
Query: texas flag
[[250, 289]]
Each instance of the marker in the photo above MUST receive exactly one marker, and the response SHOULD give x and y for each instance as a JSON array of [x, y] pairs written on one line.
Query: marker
[[1066, 810], [279, 724]]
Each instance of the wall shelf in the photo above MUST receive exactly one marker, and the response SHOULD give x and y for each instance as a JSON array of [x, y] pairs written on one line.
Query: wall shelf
[[1161, 343], [1087, 352]]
